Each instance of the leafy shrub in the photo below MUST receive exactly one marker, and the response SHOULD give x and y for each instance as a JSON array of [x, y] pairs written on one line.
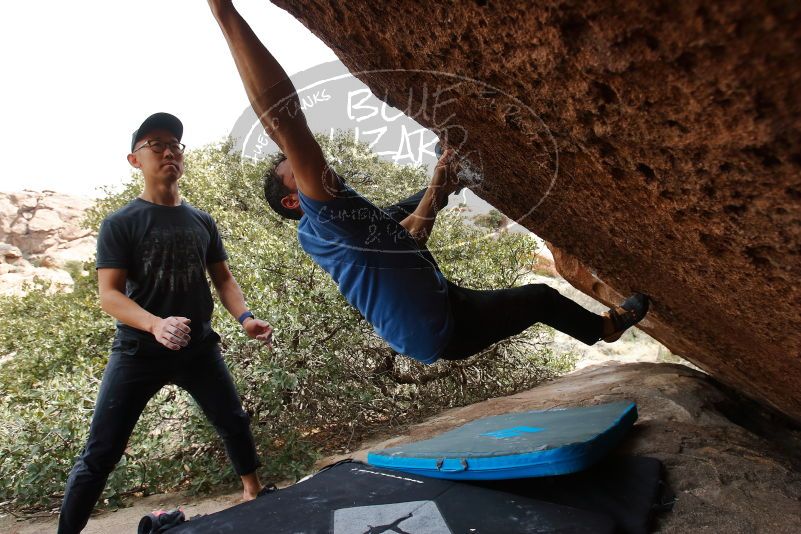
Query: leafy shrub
[[493, 219], [328, 382]]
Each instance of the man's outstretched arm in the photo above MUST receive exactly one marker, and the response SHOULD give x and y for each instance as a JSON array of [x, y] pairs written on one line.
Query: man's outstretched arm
[[276, 103], [234, 301], [421, 222]]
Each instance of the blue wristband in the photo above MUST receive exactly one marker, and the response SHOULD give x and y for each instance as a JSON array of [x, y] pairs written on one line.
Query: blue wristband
[[244, 316]]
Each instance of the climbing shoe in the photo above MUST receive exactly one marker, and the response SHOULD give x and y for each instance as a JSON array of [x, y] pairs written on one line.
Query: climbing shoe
[[629, 313]]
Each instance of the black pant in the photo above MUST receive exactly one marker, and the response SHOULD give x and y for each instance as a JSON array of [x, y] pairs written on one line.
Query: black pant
[[482, 318], [135, 372]]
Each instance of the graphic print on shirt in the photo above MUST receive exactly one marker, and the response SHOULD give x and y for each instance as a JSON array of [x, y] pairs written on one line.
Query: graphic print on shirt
[[172, 258]]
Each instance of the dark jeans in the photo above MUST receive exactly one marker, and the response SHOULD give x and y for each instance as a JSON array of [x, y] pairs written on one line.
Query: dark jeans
[[135, 372], [482, 318]]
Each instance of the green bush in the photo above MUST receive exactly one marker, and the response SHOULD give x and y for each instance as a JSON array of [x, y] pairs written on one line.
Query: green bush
[[493, 219], [328, 382]]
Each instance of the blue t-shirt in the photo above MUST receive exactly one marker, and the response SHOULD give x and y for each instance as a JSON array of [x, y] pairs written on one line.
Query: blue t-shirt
[[380, 271]]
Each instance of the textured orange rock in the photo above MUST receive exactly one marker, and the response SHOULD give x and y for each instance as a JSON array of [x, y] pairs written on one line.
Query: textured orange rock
[[660, 143], [588, 282]]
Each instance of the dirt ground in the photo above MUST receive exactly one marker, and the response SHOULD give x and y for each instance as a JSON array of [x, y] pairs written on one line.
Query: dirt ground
[[125, 520]]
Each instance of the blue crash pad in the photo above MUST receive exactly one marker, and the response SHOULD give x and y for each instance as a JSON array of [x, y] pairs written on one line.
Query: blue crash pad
[[516, 445]]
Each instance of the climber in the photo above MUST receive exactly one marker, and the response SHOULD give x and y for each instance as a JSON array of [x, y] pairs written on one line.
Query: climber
[[376, 261]]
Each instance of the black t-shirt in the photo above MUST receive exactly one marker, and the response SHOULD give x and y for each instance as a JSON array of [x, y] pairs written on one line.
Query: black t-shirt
[[165, 250]]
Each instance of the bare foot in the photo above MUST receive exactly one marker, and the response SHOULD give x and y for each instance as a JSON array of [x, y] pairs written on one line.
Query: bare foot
[[249, 496], [251, 486]]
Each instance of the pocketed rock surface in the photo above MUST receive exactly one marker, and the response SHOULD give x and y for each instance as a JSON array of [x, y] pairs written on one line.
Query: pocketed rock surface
[[658, 143]]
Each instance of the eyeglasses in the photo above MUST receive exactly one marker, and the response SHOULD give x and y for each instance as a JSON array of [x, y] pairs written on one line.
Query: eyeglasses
[[159, 146]]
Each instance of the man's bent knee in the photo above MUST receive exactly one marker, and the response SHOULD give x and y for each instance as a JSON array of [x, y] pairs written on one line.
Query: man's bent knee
[[541, 292]]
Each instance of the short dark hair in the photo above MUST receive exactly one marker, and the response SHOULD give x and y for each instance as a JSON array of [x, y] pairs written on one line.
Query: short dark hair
[[275, 190]]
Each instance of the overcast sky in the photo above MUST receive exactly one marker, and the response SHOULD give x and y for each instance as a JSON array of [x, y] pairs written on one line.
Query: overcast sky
[[80, 76]]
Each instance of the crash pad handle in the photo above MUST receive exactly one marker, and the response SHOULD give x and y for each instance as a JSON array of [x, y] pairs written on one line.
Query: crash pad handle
[[451, 468]]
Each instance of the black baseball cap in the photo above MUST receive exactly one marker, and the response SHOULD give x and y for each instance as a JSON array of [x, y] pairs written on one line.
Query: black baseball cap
[[158, 121]]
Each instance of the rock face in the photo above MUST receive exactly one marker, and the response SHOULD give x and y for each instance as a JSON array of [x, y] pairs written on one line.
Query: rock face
[[658, 143], [588, 282], [40, 232], [734, 467]]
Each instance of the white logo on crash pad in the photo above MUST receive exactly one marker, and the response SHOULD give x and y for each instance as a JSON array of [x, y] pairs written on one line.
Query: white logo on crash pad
[[416, 517]]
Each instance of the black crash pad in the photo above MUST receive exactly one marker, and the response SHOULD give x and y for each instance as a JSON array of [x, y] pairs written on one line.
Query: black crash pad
[[355, 498]]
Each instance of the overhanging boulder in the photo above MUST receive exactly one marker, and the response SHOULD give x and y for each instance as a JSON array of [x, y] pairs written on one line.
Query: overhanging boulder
[[658, 143]]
